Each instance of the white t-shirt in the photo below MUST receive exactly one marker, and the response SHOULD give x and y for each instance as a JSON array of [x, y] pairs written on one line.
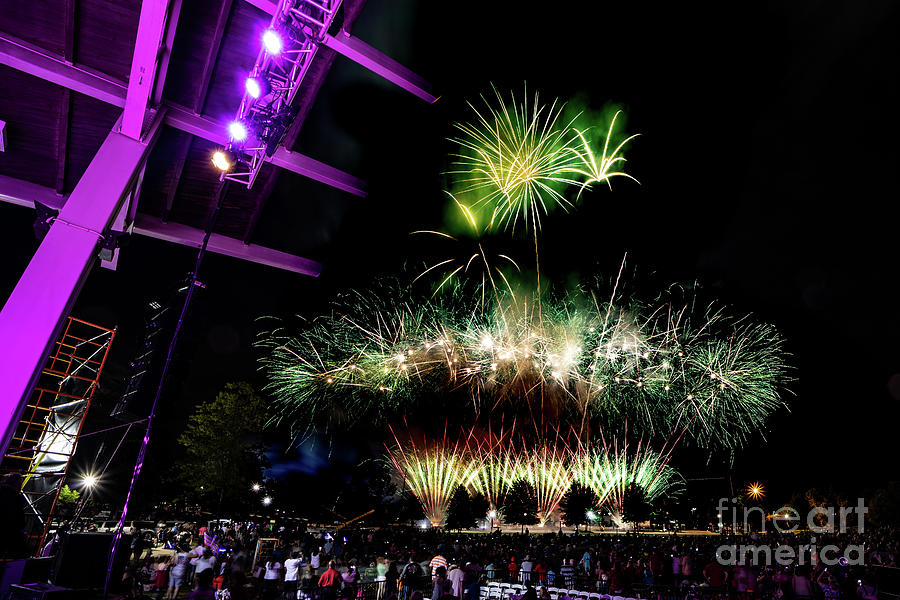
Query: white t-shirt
[[527, 568], [314, 560], [273, 570], [291, 569], [201, 564]]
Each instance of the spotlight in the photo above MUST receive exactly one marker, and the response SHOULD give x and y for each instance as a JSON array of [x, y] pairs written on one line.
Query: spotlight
[[272, 42], [255, 487], [221, 160], [256, 86], [267, 500], [89, 481], [237, 131]]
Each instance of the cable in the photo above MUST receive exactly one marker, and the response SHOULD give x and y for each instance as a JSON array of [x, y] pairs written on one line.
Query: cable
[[222, 192]]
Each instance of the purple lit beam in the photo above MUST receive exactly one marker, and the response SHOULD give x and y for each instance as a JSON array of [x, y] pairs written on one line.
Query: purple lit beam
[[189, 236], [23, 57], [33, 314], [185, 120], [367, 56], [165, 52], [143, 66], [380, 64], [24, 193]]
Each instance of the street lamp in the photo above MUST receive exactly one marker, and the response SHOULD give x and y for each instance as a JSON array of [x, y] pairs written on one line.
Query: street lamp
[[255, 487], [267, 500]]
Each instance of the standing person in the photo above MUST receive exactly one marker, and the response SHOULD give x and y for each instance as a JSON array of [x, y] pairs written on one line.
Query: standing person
[[391, 580], [381, 569], [490, 571], [329, 582], [526, 570], [456, 576], [437, 561], [177, 573], [800, 584], [307, 585], [271, 578], [512, 568], [291, 575], [568, 572], [315, 560], [441, 585], [585, 561], [350, 579], [687, 566], [715, 574], [161, 579], [204, 562], [472, 583], [409, 578]]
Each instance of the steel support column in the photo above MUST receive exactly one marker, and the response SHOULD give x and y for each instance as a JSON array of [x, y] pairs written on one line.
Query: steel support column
[[143, 65], [32, 316]]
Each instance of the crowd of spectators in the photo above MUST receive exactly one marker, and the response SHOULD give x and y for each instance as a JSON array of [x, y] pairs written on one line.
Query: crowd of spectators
[[411, 564]]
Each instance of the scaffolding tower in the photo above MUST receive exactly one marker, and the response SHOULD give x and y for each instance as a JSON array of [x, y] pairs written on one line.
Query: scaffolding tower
[[44, 440]]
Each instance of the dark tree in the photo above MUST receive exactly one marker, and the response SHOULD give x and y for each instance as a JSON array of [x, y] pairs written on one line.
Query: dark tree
[[224, 456], [576, 504], [408, 508], [480, 506], [635, 508], [459, 513], [520, 507]]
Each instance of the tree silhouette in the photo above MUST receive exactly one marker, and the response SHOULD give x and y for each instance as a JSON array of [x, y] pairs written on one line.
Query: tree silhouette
[[635, 508], [224, 453], [459, 513], [520, 507], [576, 504]]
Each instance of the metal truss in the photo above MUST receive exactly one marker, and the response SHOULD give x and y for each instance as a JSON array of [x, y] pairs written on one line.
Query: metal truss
[[45, 438], [302, 25]]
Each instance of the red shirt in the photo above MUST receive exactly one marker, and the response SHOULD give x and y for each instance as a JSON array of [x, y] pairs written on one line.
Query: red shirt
[[329, 578]]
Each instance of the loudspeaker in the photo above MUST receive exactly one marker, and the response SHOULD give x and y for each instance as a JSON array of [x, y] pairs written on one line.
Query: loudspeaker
[[82, 558]]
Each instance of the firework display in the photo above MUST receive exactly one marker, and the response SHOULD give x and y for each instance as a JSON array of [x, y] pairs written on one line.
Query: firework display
[[432, 470], [661, 367], [483, 348], [609, 470], [516, 160]]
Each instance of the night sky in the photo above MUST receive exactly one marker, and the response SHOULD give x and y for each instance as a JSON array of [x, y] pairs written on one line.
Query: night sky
[[767, 159]]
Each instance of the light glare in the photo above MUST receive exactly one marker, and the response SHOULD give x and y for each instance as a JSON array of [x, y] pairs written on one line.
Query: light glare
[[237, 131], [220, 160], [272, 42]]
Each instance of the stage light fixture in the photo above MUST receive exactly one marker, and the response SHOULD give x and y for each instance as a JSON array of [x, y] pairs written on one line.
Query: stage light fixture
[[272, 42], [221, 160], [237, 130], [256, 87]]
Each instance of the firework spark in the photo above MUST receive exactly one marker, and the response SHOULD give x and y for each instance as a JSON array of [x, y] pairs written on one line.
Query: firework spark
[[756, 490], [600, 169], [608, 471], [660, 367], [546, 469], [516, 159], [432, 471]]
